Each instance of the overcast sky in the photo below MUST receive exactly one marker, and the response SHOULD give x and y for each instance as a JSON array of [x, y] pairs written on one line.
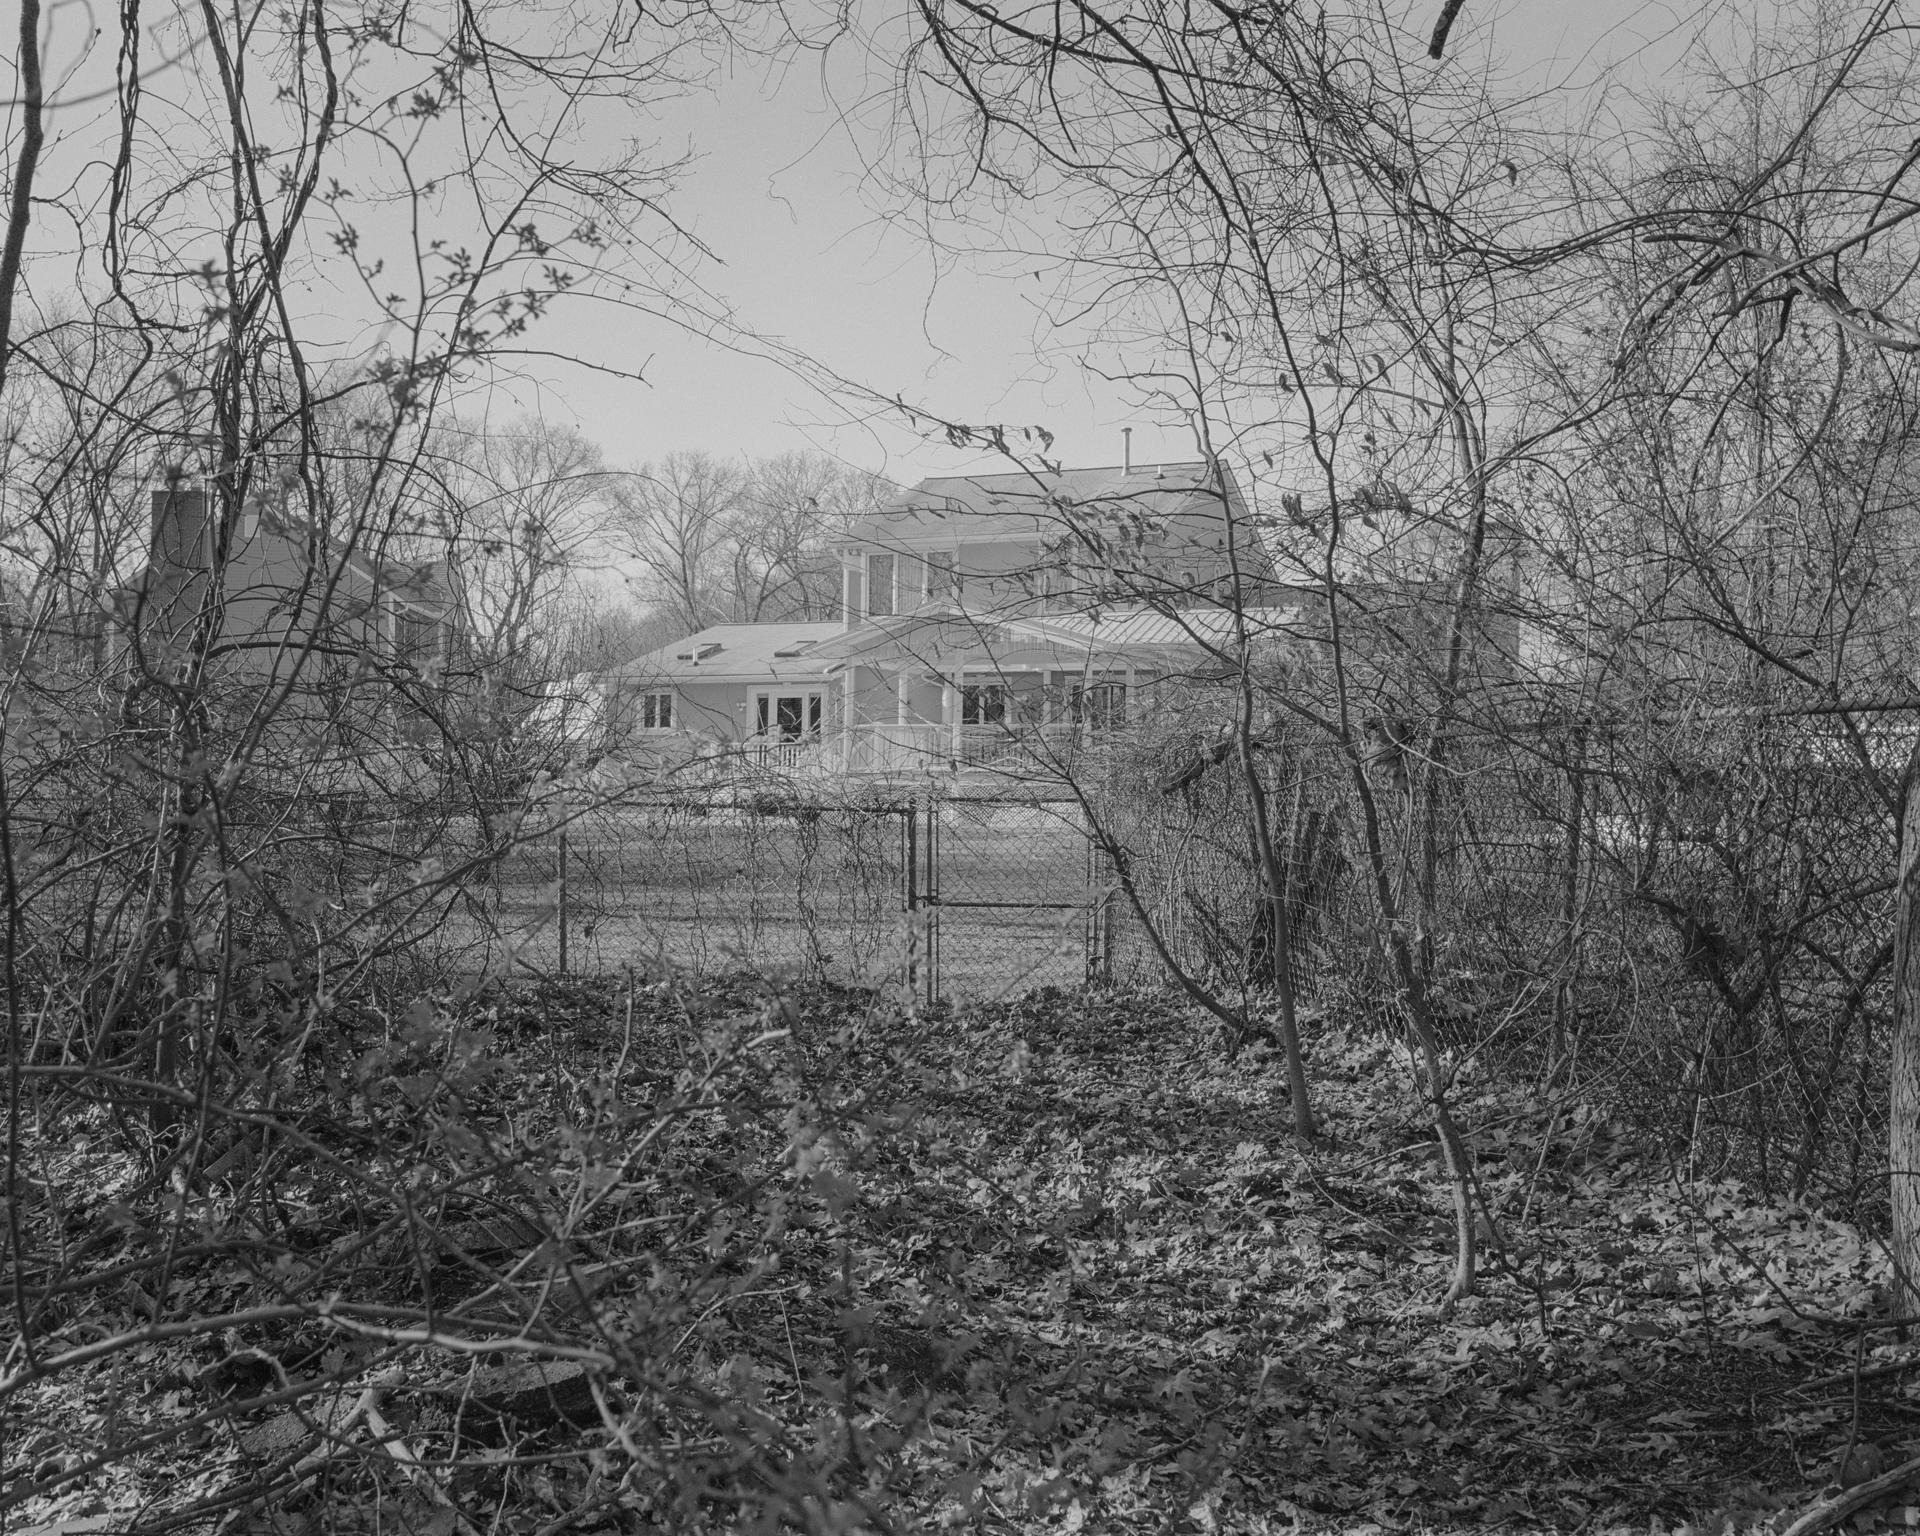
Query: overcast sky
[[806, 250], [776, 192]]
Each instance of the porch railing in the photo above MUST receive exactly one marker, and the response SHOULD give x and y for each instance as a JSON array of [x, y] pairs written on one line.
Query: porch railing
[[888, 748]]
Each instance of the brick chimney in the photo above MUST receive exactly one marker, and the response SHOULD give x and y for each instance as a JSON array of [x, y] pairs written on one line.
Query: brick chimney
[[178, 562], [182, 540]]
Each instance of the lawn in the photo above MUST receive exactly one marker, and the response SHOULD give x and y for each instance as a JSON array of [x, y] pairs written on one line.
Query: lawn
[[823, 897]]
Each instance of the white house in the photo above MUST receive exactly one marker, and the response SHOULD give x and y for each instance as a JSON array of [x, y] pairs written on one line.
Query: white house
[[988, 621]]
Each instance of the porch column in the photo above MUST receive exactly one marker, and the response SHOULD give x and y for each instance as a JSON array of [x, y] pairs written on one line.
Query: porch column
[[846, 720], [950, 714], [902, 698]]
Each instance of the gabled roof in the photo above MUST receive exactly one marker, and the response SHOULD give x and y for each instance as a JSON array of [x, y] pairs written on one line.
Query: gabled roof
[[732, 653], [178, 548], [1176, 502]]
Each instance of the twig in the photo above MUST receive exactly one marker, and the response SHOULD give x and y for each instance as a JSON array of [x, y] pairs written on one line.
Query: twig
[[1853, 1434], [1831, 1513], [394, 1444], [1392, 1236], [1841, 1378]]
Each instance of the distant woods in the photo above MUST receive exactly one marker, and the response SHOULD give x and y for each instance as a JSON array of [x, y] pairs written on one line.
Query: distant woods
[[746, 542], [568, 563]]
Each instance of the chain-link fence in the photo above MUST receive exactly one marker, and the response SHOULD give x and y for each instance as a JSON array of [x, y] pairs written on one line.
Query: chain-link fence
[[1705, 914], [960, 897], [1700, 917], [1010, 895], [690, 885]]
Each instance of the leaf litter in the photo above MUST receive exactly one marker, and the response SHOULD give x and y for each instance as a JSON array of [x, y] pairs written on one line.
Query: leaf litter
[[1059, 1265]]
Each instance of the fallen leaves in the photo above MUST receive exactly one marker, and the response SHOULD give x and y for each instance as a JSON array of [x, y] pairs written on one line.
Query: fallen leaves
[[1055, 1266]]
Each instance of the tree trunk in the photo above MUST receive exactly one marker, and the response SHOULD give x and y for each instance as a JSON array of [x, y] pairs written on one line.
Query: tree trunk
[[1903, 1125], [1273, 881]]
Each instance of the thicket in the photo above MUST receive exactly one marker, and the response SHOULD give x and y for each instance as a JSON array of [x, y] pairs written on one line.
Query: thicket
[[1583, 462], [1567, 744]]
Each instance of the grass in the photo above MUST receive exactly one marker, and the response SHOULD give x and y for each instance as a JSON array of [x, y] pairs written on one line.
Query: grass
[[707, 894]]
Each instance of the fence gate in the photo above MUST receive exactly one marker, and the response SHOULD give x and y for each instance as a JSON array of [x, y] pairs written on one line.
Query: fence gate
[[1002, 896]]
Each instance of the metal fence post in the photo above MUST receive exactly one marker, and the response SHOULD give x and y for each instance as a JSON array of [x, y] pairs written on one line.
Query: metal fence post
[[930, 897], [1099, 910], [909, 836], [563, 899]]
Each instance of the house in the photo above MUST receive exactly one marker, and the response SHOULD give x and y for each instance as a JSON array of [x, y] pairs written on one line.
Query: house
[[281, 583], [336, 641], [987, 622]]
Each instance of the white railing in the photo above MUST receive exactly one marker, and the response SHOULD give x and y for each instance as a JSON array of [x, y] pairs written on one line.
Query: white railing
[[784, 754], [888, 748], [891, 748]]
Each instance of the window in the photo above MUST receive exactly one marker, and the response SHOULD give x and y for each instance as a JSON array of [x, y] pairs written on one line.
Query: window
[[943, 577], [789, 716], [656, 711], [1101, 706], [1058, 589], [416, 636], [983, 704], [879, 585]]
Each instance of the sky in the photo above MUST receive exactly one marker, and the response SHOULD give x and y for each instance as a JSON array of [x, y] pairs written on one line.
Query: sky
[[807, 248], [777, 190]]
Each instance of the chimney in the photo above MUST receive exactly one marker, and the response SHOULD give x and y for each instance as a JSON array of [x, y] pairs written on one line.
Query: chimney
[[180, 534], [1126, 450], [177, 569]]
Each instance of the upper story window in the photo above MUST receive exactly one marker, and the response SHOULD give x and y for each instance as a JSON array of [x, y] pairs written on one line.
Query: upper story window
[[942, 577], [416, 636], [656, 711], [879, 585]]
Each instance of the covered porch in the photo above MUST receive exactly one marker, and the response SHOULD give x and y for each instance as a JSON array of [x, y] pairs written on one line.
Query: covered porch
[[949, 693]]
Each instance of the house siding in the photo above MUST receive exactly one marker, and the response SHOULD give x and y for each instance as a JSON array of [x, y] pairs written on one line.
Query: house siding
[[1018, 603]]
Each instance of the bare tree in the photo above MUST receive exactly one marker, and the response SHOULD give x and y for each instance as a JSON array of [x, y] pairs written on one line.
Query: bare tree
[[524, 517], [672, 522], [257, 282], [791, 507], [1303, 265], [1566, 463], [718, 543]]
